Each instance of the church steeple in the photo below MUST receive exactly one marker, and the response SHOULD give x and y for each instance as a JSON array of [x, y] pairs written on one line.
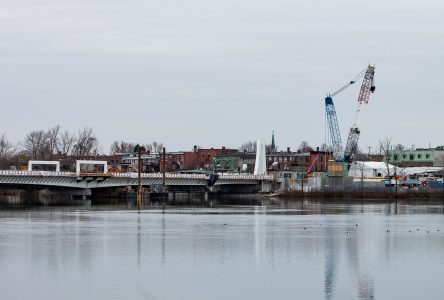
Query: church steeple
[[273, 144]]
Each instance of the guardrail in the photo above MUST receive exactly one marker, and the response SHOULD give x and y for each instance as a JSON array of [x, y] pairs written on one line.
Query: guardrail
[[158, 175], [250, 177], [37, 173], [135, 175]]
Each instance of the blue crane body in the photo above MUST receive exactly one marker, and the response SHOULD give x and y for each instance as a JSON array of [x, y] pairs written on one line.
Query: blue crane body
[[367, 88]]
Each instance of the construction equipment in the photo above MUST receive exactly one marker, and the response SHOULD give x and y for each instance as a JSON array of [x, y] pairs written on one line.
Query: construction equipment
[[332, 119], [313, 163], [367, 88]]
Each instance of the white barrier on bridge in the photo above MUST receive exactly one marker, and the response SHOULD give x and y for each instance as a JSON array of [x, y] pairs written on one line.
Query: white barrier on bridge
[[103, 163], [31, 163]]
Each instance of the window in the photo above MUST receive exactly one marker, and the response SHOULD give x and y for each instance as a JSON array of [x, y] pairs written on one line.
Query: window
[[404, 156], [427, 156], [395, 157], [412, 157], [419, 156]]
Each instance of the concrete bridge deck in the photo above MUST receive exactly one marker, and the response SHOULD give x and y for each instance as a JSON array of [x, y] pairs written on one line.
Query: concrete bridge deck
[[105, 180]]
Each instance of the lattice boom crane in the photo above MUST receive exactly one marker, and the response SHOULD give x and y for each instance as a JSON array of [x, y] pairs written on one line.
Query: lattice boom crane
[[367, 88], [332, 119]]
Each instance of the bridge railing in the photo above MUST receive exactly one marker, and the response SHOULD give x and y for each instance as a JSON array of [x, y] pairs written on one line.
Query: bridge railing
[[135, 175], [37, 173], [246, 176], [159, 175]]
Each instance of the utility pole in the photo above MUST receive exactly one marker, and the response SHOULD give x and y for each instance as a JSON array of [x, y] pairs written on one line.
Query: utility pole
[[139, 197], [303, 175], [164, 169], [442, 175]]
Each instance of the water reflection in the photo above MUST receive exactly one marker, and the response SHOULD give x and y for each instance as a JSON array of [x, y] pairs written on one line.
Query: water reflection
[[331, 259], [163, 238], [138, 240], [302, 249], [257, 235]]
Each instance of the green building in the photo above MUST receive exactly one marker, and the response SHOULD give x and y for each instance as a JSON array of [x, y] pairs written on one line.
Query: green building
[[411, 158]]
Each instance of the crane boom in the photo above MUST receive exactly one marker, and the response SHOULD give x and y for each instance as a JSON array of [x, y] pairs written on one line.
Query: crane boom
[[335, 133], [332, 119], [367, 88]]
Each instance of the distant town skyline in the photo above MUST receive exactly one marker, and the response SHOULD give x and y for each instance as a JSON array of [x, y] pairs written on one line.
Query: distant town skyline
[[220, 73]]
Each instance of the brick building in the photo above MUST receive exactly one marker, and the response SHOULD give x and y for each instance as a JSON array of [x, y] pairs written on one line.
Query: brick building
[[174, 161], [199, 158], [299, 161]]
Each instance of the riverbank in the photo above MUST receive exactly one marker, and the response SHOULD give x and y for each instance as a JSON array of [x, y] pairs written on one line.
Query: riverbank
[[369, 195]]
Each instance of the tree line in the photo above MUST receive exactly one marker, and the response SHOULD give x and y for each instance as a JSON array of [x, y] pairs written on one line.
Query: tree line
[[119, 147], [46, 144]]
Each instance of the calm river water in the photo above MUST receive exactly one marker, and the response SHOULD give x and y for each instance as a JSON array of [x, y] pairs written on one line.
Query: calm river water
[[302, 250]]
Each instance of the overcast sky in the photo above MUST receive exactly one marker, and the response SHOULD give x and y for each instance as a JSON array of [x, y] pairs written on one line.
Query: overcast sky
[[215, 73]]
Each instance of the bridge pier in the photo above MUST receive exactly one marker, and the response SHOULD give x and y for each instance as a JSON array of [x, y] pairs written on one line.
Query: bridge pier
[[11, 197], [49, 197], [44, 196], [172, 196]]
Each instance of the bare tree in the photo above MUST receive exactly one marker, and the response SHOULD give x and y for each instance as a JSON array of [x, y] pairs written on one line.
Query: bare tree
[[269, 148], [86, 142], [159, 148], [399, 147], [115, 147], [305, 147], [7, 149], [154, 147], [326, 148], [66, 142], [385, 146], [249, 146], [122, 147], [36, 145], [53, 140], [391, 159]]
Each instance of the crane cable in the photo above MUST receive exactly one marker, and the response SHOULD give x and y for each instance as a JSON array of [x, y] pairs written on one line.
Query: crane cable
[[353, 81]]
